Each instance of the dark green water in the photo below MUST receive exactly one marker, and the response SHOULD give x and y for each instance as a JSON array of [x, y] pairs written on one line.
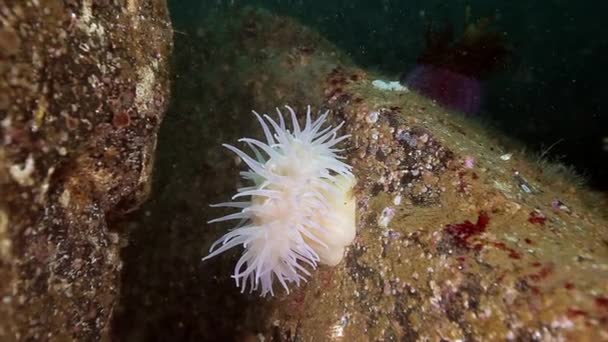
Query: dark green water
[[551, 91]]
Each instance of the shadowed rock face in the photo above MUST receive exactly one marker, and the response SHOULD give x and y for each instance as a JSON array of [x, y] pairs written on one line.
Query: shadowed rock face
[[83, 89]]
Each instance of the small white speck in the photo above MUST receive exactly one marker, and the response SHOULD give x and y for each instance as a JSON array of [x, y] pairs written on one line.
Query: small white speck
[[397, 200], [21, 174], [389, 86], [506, 156], [563, 323], [372, 117], [469, 162], [386, 216], [6, 122]]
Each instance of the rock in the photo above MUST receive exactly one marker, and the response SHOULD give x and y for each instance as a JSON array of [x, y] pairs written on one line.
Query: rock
[[83, 89], [459, 260]]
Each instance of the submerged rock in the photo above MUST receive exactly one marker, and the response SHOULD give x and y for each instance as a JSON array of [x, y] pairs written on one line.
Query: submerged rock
[[459, 259], [83, 89]]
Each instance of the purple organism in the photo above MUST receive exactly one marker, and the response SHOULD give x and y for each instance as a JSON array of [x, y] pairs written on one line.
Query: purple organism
[[450, 89], [450, 71]]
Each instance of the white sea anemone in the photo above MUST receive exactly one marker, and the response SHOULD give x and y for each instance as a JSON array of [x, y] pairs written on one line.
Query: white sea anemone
[[300, 211]]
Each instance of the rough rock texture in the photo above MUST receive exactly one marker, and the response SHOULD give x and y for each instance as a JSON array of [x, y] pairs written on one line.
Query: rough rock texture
[[460, 236], [83, 88]]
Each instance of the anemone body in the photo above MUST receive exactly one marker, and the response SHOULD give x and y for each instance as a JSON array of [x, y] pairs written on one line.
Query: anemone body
[[299, 210]]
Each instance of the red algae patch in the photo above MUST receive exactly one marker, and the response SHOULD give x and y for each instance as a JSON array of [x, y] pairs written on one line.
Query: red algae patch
[[543, 273], [461, 232], [602, 302], [536, 217], [513, 254]]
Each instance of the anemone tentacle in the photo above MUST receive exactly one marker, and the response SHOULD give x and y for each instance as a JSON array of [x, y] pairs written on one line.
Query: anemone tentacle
[[288, 215]]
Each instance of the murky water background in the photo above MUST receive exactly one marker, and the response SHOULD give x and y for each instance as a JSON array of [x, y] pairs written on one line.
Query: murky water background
[[549, 95]]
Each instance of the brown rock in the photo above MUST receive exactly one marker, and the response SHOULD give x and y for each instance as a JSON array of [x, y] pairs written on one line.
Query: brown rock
[[65, 170]]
